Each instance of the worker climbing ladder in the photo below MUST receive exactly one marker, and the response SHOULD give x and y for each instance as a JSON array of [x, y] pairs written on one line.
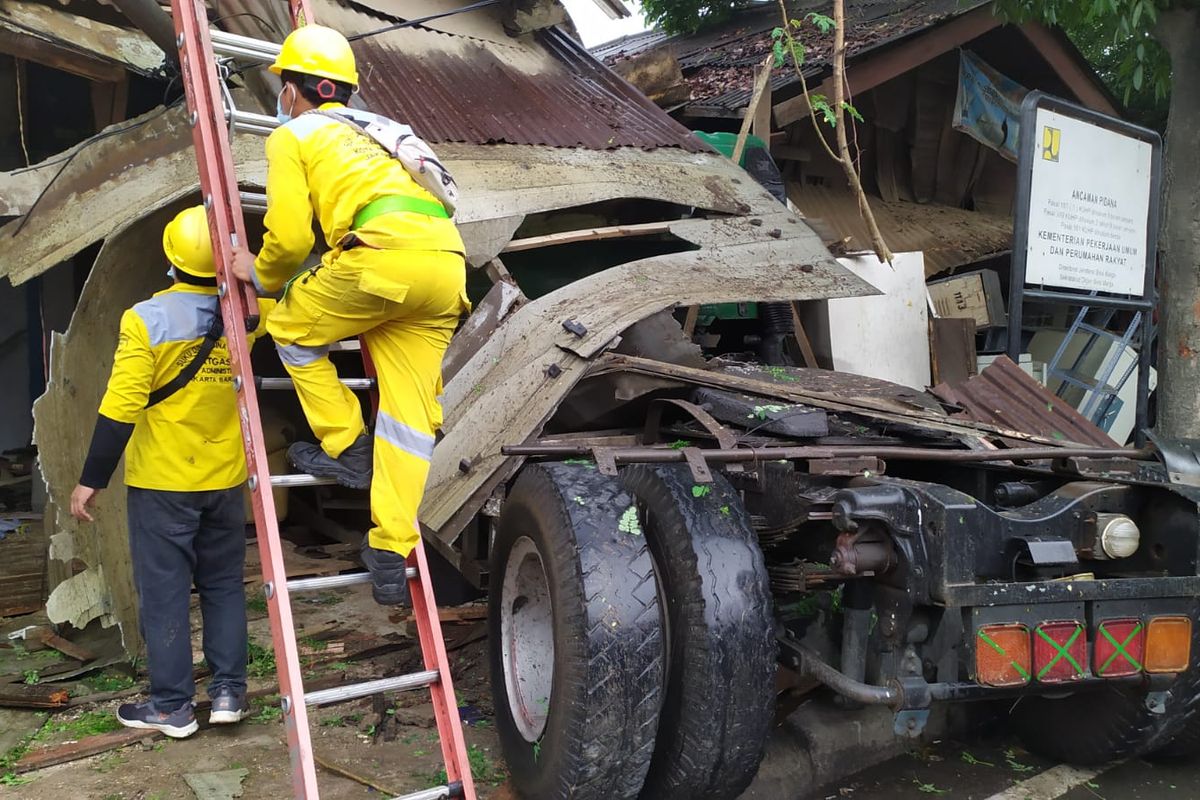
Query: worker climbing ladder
[[213, 118]]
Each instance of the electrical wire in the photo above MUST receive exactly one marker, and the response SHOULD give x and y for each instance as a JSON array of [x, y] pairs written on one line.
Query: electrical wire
[[21, 113], [421, 20], [66, 160]]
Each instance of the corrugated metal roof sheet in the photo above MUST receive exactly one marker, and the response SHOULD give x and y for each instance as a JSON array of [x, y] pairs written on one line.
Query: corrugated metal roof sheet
[[479, 95], [719, 64], [477, 85], [1004, 394]]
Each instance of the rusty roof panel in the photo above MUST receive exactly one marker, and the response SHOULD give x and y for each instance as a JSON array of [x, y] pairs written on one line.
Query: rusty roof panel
[[719, 64], [478, 93], [1005, 395]]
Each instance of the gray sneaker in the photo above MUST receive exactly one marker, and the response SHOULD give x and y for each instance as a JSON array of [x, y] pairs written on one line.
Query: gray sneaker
[[228, 707], [352, 469], [179, 724]]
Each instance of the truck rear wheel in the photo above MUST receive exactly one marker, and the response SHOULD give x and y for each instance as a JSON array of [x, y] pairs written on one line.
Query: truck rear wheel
[[720, 691], [575, 633], [1092, 728]]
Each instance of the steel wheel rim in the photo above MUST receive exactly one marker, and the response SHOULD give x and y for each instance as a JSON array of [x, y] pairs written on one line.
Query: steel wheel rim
[[527, 639]]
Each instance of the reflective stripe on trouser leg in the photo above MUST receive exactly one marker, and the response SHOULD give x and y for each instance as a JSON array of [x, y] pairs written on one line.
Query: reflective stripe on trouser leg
[[408, 358]]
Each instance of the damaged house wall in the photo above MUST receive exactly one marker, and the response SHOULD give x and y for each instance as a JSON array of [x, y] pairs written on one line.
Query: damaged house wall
[[583, 138]]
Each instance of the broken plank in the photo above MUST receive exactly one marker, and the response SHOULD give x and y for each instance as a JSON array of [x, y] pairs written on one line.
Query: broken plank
[[85, 747], [18, 695], [761, 85], [587, 235], [69, 649]]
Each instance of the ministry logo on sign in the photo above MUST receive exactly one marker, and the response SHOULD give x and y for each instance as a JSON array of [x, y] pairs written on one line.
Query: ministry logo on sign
[[1051, 142]]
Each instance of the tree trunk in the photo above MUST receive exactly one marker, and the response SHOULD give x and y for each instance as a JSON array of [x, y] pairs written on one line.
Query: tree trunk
[[1179, 333]]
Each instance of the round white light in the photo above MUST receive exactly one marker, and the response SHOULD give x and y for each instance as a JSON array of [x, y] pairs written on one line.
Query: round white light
[[1119, 535]]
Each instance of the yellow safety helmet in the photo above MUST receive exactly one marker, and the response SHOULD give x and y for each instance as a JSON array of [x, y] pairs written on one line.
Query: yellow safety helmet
[[317, 50], [187, 245]]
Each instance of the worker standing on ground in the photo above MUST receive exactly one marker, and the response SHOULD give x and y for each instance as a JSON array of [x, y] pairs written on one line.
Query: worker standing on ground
[[170, 408], [394, 274]]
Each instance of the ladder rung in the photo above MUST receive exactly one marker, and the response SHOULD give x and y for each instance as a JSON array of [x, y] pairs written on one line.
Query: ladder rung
[[286, 383], [300, 479], [335, 581], [349, 345], [436, 793], [250, 122], [253, 201], [243, 47], [400, 683]]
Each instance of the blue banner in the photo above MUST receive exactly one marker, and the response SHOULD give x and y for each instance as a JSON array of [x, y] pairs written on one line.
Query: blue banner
[[988, 108]]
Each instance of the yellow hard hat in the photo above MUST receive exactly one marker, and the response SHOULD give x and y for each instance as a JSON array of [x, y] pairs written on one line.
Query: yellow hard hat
[[187, 245], [320, 51]]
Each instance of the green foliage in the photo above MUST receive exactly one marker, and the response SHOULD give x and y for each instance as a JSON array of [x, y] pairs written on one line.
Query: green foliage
[[1116, 37], [31, 677], [269, 710], [88, 724], [699, 491], [689, 16], [12, 779], [483, 768], [260, 661], [109, 682]]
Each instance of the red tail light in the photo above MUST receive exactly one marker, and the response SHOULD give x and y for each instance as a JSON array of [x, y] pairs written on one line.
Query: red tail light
[[1059, 651], [1120, 648]]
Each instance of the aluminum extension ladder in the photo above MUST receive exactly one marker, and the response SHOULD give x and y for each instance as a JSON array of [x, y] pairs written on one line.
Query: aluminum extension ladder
[[213, 119]]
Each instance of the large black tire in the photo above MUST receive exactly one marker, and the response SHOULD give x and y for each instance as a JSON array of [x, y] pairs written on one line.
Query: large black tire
[[721, 635], [1093, 728], [597, 588]]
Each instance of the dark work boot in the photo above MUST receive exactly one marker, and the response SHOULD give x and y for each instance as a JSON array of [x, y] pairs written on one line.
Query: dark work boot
[[389, 579], [352, 469]]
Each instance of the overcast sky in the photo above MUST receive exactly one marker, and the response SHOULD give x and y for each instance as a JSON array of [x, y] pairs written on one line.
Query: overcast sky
[[594, 25]]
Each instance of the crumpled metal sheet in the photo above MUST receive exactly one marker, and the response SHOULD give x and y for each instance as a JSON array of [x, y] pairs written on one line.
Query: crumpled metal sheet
[[1005, 395], [127, 48]]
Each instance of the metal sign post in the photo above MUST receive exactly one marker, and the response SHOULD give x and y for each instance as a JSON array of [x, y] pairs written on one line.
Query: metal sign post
[[1086, 226]]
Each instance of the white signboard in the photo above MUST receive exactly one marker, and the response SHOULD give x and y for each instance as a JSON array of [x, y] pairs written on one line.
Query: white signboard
[[1089, 206]]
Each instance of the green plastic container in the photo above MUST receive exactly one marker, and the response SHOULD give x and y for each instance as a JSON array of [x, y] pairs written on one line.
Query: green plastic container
[[724, 143]]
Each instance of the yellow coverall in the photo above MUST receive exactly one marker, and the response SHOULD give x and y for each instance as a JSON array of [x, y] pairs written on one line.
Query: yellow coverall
[[192, 441], [403, 290]]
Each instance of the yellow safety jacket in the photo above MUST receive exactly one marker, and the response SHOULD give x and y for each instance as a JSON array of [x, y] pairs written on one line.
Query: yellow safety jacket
[[191, 441], [318, 163]]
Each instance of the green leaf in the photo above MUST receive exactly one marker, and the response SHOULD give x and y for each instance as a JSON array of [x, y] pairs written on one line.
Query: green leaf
[[824, 24], [1141, 49], [699, 491], [1139, 74], [1137, 16], [777, 33], [780, 56], [821, 106], [852, 111]]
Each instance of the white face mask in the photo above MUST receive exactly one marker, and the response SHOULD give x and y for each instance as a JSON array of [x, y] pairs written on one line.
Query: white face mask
[[284, 116]]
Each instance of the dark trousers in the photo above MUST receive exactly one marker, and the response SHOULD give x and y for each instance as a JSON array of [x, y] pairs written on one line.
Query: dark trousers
[[176, 538]]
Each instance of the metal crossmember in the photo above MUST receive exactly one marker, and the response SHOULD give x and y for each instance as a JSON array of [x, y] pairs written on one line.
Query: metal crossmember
[[213, 118]]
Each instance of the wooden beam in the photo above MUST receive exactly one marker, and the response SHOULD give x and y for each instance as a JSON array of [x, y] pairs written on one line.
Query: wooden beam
[[109, 100], [761, 126], [761, 83], [39, 50], [587, 235], [867, 72], [1079, 78], [18, 695], [802, 340], [791, 152]]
